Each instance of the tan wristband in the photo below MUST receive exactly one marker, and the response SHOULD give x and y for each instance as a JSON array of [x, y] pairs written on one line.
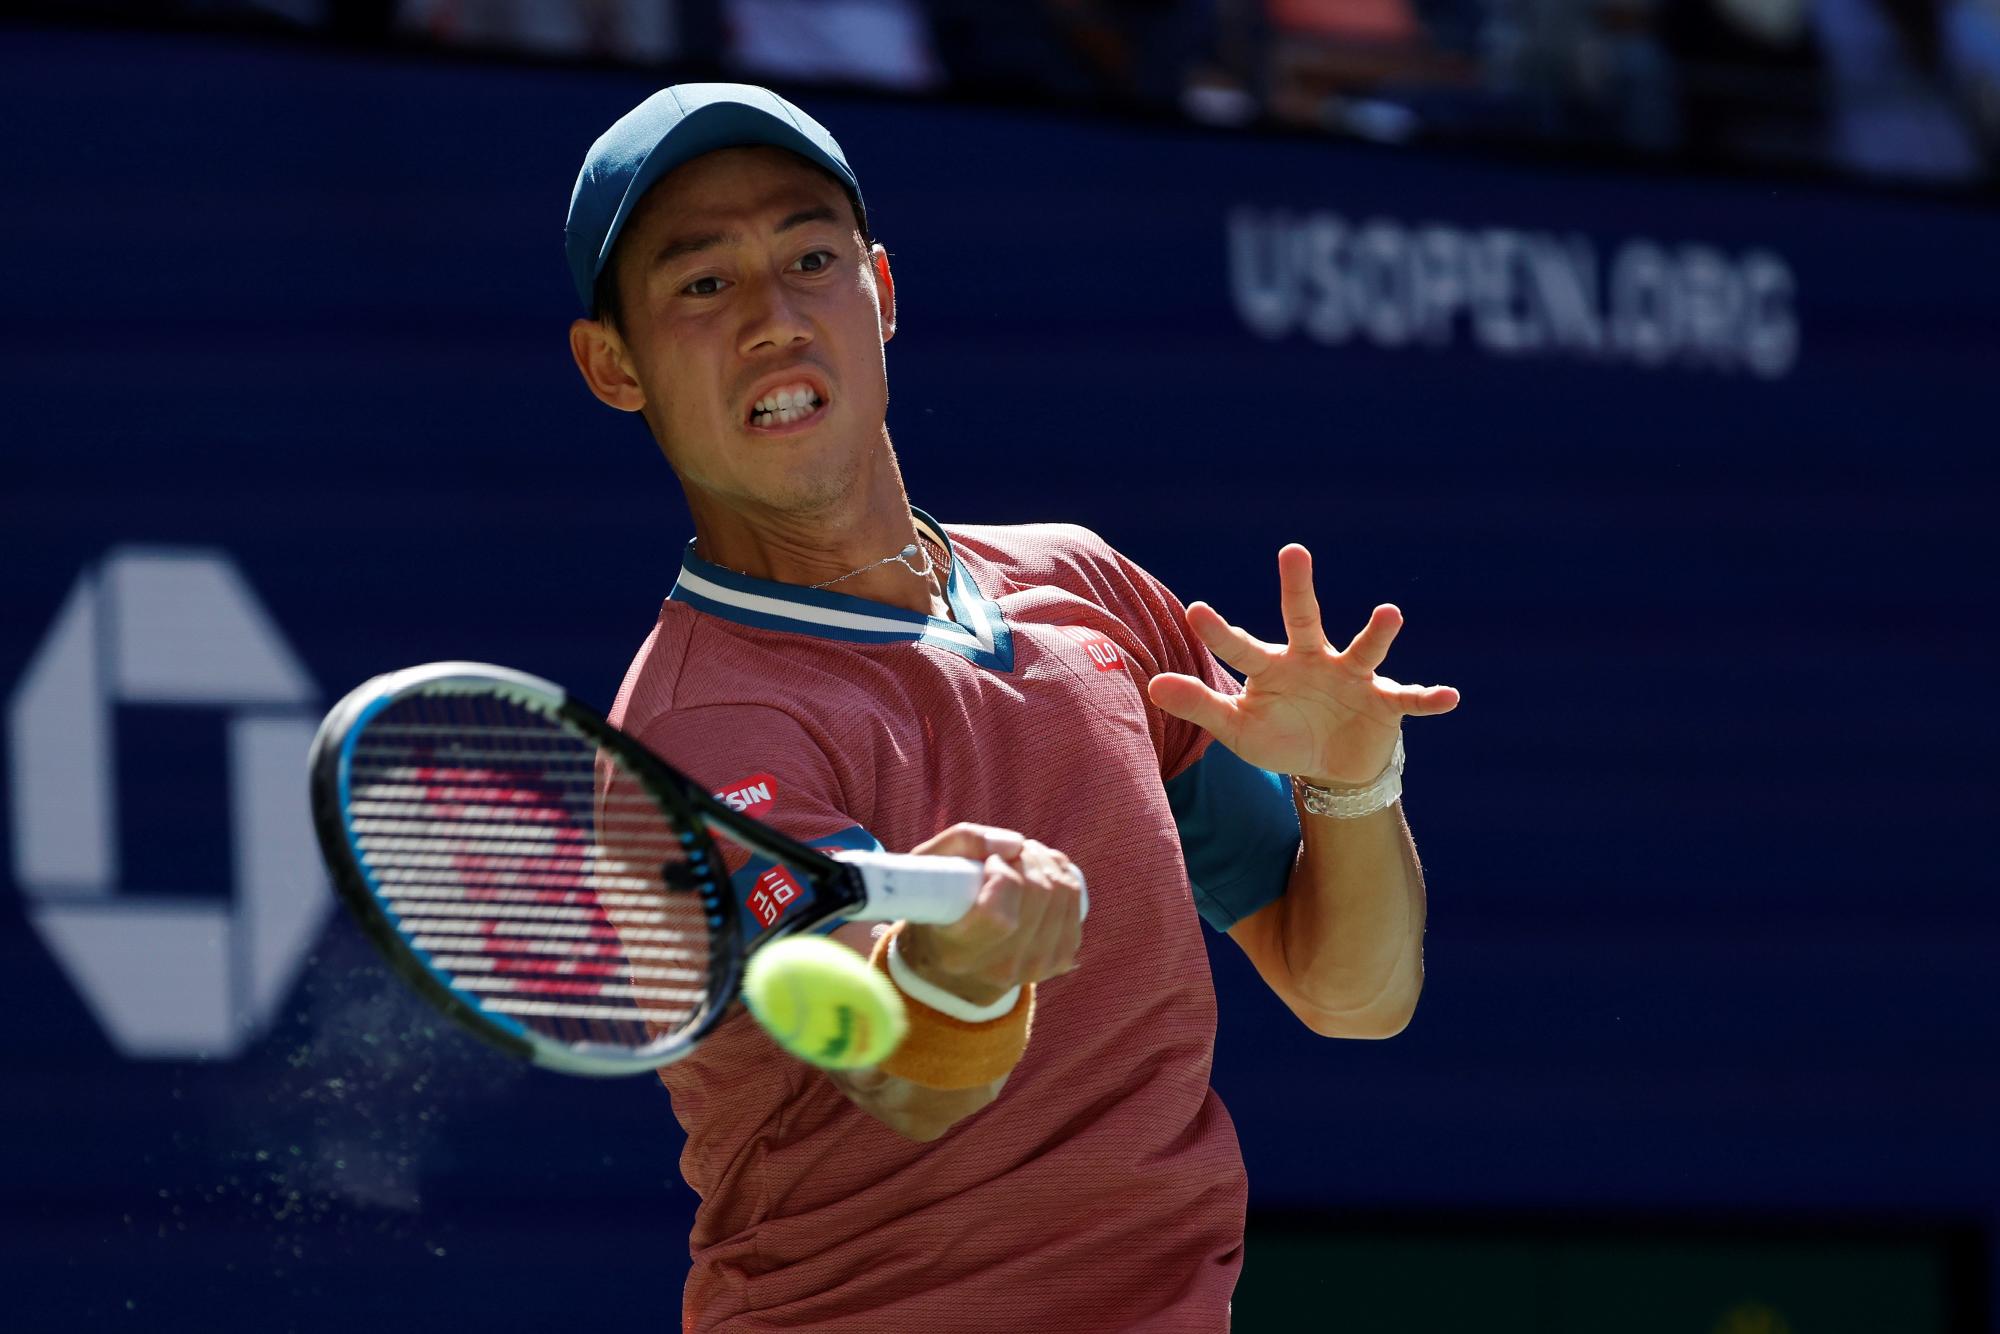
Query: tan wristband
[[941, 1052]]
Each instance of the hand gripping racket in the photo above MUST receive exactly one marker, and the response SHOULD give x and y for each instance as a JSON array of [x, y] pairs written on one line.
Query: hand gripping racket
[[551, 884]]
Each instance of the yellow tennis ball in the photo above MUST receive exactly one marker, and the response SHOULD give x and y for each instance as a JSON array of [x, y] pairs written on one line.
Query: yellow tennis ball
[[822, 1002]]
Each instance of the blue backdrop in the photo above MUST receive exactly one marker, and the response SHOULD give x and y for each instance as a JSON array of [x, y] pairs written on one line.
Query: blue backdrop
[[1681, 482]]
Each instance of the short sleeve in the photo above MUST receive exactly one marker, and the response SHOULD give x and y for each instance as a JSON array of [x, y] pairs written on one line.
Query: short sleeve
[[1239, 834], [1158, 620]]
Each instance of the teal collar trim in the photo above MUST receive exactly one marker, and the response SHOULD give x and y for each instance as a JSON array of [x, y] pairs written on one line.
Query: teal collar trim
[[977, 631]]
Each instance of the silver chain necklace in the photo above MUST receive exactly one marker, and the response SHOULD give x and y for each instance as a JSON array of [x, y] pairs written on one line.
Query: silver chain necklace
[[919, 549]]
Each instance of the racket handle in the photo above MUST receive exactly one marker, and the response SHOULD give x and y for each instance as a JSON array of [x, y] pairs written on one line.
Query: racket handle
[[912, 887]]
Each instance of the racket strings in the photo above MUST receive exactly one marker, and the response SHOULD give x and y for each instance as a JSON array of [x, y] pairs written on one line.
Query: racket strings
[[531, 871]]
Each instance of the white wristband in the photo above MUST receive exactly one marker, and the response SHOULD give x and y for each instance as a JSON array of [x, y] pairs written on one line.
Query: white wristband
[[937, 998], [1351, 803]]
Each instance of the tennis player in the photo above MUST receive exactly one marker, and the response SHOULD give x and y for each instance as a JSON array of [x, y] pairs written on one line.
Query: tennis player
[[1044, 1152]]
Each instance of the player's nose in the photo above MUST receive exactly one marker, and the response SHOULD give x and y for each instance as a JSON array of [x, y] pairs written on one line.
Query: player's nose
[[773, 318]]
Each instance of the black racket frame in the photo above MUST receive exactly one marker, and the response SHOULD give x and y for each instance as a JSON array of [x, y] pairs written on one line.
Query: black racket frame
[[836, 887]]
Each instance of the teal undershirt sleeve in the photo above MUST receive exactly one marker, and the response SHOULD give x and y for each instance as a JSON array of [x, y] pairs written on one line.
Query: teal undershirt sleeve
[[1239, 834]]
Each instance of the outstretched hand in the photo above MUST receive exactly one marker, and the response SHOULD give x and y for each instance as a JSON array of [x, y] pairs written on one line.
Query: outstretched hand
[[1306, 708]]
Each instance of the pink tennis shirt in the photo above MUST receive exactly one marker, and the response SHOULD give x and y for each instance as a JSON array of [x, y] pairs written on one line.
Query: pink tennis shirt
[[1104, 1189]]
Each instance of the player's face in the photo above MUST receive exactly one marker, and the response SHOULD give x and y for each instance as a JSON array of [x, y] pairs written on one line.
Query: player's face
[[753, 322]]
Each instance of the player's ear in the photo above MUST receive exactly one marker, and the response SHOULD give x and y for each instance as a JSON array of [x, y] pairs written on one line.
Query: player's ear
[[885, 290], [605, 365]]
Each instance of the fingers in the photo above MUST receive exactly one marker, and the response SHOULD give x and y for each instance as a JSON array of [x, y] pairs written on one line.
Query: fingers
[[1026, 924], [1052, 949], [1297, 601], [1237, 647], [976, 841], [1422, 701], [1033, 907], [1371, 646]]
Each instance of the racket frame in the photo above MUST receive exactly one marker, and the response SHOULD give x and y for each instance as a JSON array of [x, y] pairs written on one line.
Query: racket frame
[[837, 888]]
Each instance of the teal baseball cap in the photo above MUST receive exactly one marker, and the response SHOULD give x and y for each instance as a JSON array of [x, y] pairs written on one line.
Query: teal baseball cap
[[673, 126]]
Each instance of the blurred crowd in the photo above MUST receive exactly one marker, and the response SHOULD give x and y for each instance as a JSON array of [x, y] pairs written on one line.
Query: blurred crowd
[[1904, 90]]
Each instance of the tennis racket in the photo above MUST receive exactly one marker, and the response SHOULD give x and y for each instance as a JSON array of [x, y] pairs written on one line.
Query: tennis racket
[[551, 884]]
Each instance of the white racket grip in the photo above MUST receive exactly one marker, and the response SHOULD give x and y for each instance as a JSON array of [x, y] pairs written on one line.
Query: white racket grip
[[912, 887]]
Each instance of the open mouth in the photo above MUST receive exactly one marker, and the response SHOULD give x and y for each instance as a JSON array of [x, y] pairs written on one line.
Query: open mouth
[[786, 406]]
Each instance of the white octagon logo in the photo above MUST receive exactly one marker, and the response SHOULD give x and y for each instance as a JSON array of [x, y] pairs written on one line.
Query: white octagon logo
[[167, 978]]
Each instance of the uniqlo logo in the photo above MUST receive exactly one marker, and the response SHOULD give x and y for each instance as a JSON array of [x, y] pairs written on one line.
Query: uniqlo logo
[[1104, 655], [775, 891], [749, 794]]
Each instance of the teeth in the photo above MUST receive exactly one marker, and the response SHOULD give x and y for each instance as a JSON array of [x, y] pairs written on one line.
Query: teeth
[[785, 405], [789, 397]]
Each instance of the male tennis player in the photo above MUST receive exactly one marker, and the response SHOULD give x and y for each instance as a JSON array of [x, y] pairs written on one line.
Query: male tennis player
[[857, 673]]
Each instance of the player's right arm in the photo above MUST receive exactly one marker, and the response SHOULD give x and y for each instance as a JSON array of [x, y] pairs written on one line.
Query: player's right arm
[[1025, 928], [910, 1109]]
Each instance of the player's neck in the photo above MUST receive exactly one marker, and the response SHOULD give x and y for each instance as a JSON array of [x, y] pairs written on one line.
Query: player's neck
[[870, 550]]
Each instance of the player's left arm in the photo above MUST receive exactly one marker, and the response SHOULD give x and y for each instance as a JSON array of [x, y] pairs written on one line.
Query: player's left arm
[[1343, 945]]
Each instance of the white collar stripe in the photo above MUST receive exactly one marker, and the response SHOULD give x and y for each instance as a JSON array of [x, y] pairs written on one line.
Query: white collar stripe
[[785, 609], [978, 633], [799, 611]]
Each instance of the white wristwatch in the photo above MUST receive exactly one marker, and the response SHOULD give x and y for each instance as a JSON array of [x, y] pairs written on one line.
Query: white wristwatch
[[1351, 803]]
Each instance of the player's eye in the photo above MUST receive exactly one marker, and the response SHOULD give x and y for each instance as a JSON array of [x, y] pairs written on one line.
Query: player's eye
[[704, 286], [815, 261]]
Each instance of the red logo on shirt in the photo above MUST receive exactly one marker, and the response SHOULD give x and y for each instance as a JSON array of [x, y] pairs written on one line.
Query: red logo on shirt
[[1104, 655], [775, 891], [748, 794]]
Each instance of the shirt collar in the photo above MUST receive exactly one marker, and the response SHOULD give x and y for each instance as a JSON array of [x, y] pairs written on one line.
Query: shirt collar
[[977, 631]]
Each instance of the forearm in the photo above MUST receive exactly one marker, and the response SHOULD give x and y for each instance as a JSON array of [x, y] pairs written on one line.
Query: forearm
[[1352, 924], [925, 1110], [917, 1111], [969, 984], [912, 1110]]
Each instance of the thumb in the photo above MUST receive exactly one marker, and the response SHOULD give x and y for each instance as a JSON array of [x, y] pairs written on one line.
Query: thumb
[[976, 841], [1187, 698]]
